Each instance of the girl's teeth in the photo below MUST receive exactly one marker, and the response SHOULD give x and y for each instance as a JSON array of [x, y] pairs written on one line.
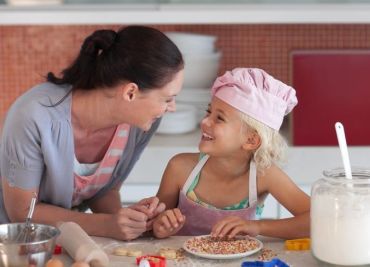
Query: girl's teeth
[[207, 136]]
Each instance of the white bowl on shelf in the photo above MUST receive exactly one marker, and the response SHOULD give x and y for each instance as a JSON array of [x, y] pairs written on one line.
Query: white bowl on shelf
[[201, 109], [200, 71], [194, 95], [183, 120], [193, 43]]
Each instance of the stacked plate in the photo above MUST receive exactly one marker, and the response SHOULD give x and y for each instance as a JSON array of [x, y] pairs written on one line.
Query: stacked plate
[[196, 97], [200, 56], [202, 62], [183, 120]]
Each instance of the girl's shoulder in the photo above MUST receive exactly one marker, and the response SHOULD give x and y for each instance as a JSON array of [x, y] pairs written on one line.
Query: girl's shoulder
[[184, 161], [271, 176], [182, 164], [272, 170]]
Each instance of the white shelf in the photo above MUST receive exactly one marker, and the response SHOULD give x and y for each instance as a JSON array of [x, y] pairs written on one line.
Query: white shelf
[[185, 14]]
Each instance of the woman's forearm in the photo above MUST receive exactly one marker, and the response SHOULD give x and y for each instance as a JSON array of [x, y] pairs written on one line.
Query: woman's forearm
[[109, 203], [94, 224]]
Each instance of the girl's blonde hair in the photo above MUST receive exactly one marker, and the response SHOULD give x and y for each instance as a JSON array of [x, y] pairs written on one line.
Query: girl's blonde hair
[[273, 147]]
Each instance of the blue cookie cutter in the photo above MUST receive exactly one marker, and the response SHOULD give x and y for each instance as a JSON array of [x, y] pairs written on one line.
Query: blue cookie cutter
[[273, 263]]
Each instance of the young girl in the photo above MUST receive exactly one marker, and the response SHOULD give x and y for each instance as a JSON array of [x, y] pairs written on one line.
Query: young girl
[[221, 190]]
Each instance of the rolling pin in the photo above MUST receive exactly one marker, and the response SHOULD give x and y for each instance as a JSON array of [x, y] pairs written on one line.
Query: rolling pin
[[80, 246]]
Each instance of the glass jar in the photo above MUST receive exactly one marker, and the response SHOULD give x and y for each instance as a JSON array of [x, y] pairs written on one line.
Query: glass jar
[[340, 218]]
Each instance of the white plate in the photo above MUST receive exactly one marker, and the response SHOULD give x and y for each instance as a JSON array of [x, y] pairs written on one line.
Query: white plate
[[223, 256]]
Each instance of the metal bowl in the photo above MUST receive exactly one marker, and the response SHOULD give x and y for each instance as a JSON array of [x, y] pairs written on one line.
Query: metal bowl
[[34, 253]]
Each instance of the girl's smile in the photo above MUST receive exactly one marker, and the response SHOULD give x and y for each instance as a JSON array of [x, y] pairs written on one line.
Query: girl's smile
[[206, 137]]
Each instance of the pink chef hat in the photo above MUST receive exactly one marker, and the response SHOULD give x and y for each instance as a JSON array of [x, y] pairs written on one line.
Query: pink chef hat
[[257, 94]]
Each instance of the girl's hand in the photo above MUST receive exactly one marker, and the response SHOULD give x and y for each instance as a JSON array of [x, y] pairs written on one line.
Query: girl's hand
[[150, 206], [168, 223], [233, 225]]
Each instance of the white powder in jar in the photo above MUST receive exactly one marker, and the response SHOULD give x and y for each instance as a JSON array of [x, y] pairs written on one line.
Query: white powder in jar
[[340, 228]]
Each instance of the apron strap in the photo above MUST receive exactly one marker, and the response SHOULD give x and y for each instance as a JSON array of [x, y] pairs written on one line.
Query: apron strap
[[252, 179], [252, 183], [194, 173]]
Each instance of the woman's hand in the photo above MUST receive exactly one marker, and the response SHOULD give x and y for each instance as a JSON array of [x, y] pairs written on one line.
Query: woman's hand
[[233, 225], [151, 207], [168, 223], [131, 223], [134, 220]]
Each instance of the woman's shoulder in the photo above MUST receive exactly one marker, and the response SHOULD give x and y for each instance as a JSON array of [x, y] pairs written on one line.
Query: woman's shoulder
[[40, 101], [32, 114], [46, 93]]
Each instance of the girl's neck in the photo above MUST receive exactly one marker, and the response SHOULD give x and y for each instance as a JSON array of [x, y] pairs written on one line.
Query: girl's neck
[[229, 167]]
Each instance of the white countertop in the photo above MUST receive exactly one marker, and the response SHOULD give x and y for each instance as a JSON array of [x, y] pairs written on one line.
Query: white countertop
[[185, 14], [150, 246]]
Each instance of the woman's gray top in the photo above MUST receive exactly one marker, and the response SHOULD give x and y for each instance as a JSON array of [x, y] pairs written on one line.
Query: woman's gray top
[[37, 148]]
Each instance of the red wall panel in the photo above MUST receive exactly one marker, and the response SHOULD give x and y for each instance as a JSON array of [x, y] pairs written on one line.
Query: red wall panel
[[331, 86]]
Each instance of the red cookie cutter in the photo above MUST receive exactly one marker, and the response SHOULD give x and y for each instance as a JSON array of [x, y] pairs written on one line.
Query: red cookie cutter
[[151, 261], [57, 250]]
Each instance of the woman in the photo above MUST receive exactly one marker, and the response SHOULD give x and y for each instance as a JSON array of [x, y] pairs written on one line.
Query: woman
[[74, 139]]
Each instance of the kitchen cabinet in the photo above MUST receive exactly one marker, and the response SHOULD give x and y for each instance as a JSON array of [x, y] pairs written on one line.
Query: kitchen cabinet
[[269, 12], [332, 85], [304, 165]]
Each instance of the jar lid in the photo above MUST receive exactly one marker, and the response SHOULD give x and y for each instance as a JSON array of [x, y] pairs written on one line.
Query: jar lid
[[356, 171]]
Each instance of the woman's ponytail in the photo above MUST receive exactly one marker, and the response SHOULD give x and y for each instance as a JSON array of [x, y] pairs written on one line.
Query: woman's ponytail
[[138, 54]]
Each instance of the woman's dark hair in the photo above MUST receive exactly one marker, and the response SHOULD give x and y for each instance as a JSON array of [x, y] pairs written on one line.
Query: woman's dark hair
[[138, 54]]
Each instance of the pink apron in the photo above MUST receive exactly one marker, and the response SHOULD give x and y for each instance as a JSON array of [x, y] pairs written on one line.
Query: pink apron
[[200, 219]]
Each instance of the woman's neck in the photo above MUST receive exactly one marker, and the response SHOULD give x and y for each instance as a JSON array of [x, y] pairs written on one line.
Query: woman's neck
[[91, 111]]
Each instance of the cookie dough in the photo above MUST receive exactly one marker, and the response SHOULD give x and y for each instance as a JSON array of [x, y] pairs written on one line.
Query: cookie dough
[[134, 253], [120, 251], [168, 253]]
